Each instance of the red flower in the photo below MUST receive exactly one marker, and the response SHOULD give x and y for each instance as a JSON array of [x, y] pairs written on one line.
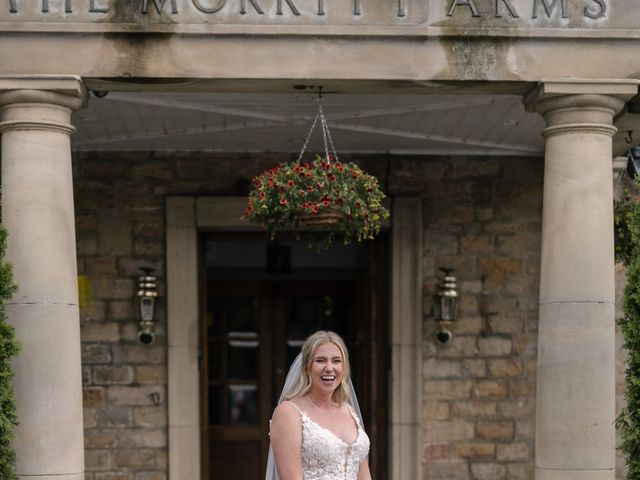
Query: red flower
[[332, 177], [310, 188], [320, 185], [262, 195], [338, 166], [290, 183], [355, 173], [326, 203], [270, 183], [331, 157], [315, 208], [283, 201], [326, 165], [302, 193]]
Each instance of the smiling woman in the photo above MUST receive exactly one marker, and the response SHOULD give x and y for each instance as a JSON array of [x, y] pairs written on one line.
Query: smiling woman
[[316, 430]]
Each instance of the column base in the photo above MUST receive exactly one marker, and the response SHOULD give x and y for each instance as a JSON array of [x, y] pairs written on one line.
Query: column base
[[555, 474]]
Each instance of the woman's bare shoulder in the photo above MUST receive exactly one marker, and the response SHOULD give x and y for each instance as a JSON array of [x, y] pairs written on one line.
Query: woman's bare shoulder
[[287, 411]]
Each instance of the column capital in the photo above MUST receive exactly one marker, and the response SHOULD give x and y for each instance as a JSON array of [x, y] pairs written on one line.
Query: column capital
[[63, 90], [558, 87], [40, 102], [580, 105], [70, 85]]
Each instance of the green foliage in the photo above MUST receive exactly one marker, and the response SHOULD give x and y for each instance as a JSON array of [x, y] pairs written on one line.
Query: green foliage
[[627, 218], [8, 349], [622, 217]]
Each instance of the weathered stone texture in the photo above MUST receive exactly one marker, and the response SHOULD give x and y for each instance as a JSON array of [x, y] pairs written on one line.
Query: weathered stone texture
[[488, 230]]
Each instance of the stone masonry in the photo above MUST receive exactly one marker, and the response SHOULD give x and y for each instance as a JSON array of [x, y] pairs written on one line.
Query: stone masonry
[[482, 217]]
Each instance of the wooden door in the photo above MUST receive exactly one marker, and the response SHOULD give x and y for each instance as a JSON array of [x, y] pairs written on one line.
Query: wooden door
[[235, 386], [250, 334]]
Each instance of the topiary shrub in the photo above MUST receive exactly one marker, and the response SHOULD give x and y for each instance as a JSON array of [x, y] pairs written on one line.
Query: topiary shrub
[[8, 348], [627, 237]]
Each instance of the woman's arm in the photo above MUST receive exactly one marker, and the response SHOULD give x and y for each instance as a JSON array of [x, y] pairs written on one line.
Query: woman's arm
[[363, 471], [286, 441]]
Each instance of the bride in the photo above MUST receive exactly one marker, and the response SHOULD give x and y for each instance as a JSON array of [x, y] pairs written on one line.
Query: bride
[[316, 429]]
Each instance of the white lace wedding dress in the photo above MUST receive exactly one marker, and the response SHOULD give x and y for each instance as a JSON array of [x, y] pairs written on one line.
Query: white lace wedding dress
[[327, 457]]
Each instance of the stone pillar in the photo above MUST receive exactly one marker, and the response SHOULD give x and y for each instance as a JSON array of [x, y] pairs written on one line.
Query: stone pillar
[[38, 212], [575, 435]]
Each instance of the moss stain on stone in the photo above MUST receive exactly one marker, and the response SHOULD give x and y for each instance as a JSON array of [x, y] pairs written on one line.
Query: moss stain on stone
[[476, 58]]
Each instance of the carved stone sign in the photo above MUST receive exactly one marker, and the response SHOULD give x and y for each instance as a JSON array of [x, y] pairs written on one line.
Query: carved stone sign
[[422, 17]]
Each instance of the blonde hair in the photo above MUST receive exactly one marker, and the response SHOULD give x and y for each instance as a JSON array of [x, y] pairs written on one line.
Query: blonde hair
[[311, 344]]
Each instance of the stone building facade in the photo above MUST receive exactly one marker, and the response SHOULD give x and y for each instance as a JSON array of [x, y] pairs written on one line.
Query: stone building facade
[[529, 385]]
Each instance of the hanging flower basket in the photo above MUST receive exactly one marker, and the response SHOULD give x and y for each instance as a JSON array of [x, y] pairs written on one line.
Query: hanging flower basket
[[338, 200], [324, 196]]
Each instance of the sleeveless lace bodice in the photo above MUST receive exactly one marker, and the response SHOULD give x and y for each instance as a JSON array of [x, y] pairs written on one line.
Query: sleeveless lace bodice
[[327, 457]]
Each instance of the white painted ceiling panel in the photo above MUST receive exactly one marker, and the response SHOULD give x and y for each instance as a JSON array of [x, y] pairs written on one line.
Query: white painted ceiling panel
[[410, 124]]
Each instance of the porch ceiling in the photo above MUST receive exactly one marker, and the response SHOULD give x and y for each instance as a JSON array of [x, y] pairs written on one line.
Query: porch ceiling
[[257, 122]]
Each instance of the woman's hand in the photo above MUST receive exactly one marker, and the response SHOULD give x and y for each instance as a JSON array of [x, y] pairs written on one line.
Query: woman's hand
[[286, 442], [363, 471]]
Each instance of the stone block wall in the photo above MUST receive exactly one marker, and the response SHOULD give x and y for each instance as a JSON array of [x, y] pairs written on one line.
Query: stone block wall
[[482, 217]]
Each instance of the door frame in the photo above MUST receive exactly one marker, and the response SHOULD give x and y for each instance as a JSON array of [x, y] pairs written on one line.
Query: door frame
[[185, 216]]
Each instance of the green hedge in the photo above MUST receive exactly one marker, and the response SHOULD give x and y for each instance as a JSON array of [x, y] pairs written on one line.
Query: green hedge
[[627, 237], [8, 348]]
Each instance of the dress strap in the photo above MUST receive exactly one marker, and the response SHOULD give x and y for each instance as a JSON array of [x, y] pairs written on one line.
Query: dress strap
[[354, 415], [302, 414]]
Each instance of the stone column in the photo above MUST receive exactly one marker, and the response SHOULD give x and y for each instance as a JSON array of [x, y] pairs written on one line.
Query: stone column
[[575, 435], [38, 212]]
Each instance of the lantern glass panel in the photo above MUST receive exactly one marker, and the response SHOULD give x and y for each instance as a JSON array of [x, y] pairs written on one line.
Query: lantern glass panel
[[146, 308], [437, 307]]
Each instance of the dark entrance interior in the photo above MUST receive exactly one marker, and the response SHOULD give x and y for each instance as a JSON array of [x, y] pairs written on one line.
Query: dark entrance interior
[[260, 299]]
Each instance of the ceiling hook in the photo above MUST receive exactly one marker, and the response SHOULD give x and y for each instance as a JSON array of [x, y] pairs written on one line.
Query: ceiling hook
[[629, 137]]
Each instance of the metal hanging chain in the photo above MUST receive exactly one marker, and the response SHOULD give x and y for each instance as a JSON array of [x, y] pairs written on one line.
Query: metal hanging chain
[[306, 140], [326, 134]]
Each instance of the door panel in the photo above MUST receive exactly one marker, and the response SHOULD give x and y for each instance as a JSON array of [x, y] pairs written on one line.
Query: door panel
[[235, 348]]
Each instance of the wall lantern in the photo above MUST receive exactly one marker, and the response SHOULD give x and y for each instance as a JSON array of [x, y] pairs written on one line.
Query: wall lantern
[[445, 306], [147, 293]]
